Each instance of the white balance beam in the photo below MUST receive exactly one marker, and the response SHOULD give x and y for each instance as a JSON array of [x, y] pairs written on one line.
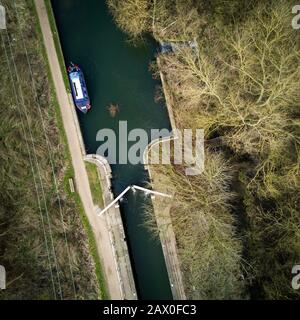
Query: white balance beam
[[151, 192], [115, 201], [134, 187]]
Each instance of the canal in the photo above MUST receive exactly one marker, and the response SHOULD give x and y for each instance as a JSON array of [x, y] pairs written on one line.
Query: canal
[[117, 73]]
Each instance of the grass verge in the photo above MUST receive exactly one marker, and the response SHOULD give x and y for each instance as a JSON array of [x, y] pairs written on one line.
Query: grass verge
[[95, 184], [57, 42]]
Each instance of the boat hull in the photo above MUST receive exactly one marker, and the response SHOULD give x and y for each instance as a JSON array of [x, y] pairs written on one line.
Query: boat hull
[[79, 89]]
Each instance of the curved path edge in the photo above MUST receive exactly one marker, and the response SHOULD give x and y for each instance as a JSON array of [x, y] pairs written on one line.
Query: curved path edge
[[116, 230], [167, 237]]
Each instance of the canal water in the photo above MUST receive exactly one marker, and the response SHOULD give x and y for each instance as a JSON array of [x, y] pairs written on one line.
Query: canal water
[[118, 73]]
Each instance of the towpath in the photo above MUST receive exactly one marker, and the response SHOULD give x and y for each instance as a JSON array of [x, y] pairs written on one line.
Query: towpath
[[99, 226]]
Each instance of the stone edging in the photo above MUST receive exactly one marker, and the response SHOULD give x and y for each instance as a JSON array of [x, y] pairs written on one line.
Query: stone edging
[[116, 230], [168, 241]]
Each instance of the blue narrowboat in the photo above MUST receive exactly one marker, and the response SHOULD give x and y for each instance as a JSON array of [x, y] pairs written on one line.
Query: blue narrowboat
[[78, 87]]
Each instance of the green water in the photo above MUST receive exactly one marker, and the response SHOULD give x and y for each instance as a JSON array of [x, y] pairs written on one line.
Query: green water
[[117, 72]]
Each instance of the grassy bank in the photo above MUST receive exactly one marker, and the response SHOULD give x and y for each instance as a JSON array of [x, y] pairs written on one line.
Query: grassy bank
[[43, 243]]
